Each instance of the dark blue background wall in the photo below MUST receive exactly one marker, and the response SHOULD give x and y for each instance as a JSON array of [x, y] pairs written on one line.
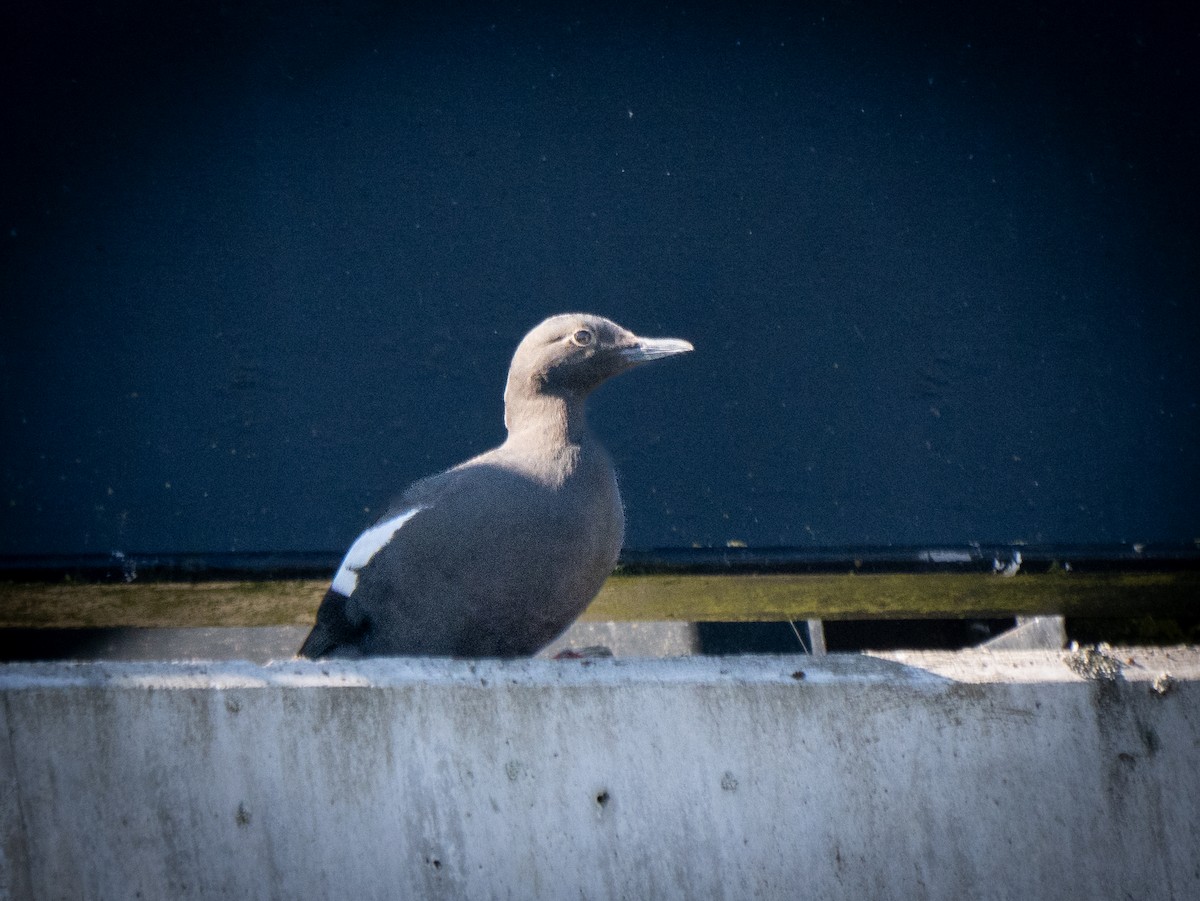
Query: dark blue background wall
[[263, 264]]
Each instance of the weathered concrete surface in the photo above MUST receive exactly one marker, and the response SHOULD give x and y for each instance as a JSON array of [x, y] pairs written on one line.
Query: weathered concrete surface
[[633, 639], [985, 775], [1031, 633], [259, 644], [262, 644]]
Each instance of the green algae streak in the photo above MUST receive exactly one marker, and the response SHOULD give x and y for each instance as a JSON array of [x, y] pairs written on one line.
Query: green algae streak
[[693, 598]]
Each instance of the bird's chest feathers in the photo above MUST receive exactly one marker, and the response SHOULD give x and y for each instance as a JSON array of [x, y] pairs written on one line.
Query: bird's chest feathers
[[574, 495]]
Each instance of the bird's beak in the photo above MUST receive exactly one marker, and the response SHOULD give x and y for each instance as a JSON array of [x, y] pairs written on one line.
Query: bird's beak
[[647, 349]]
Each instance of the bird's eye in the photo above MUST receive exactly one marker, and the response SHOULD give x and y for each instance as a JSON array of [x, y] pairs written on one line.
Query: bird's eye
[[582, 338]]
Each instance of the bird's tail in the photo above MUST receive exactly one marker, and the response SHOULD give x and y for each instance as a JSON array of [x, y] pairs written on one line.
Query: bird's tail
[[334, 628]]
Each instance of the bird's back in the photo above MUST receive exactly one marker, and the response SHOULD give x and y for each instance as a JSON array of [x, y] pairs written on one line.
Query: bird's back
[[495, 557]]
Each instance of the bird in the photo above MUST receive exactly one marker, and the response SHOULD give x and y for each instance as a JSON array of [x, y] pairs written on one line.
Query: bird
[[497, 556]]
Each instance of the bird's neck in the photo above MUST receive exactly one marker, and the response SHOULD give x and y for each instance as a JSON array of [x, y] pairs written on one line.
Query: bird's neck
[[545, 420]]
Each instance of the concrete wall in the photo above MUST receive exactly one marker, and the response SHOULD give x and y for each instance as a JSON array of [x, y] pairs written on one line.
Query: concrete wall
[[1003, 775]]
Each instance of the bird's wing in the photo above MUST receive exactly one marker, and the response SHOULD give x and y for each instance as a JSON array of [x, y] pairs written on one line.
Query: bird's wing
[[341, 621]]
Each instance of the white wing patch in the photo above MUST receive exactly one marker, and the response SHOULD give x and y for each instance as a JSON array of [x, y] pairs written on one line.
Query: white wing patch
[[366, 546]]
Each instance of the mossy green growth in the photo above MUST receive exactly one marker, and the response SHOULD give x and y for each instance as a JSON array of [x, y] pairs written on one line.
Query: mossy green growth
[[772, 597], [689, 598], [160, 604]]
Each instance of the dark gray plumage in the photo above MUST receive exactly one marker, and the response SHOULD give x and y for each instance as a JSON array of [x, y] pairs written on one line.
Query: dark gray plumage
[[497, 556]]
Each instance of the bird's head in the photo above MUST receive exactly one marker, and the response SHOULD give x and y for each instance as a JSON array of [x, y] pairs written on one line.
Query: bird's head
[[570, 355]]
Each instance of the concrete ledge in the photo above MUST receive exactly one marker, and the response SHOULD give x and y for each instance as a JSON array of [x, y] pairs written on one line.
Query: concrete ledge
[[262, 644], [259, 644], [987, 775]]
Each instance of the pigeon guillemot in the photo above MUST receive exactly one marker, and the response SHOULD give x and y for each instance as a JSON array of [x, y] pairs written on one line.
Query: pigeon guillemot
[[498, 555]]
